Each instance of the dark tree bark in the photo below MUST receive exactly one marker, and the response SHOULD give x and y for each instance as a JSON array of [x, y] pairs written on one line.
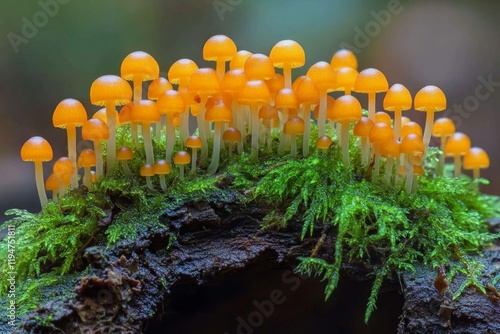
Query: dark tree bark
[[133, 283]]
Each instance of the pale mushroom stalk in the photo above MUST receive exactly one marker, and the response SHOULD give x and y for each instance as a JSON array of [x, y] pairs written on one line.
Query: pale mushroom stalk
[[159, 126], [149, 183], [287, 74], [376, 165], [181, 172], [389, 163], [134, 132], [364, 150], [214, 164], [429, 120], [397, 122], [193, 161], [254, 114], [344, 135], [238, 120], [111, 147], [55, 197], [137, 80], [170, 133], [86, 176], [322, 114], [184, 127], [283, 138], [371, 106], [40, 185], [458, 165], [148, 145], [306, 116], [476, 173], [99, 168], [163, 184], [414, 186], [220, 67], [71, 129], [202, 127], [269, 137], [409, 177], [126, 168], [293, 147]]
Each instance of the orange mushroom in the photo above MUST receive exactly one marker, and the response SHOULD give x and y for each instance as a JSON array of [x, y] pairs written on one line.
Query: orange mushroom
[[63, 169], [70, 114], [110, 91], [285, 100], [380, 133], [362, 129], [324, 143], [239, 59], [162, 168], [259, 67], [294, 127], [390, 151], [287, 54], [38, 150], [270, 119], [383, 117], [371, 81], [124, 154], [156, 88], [219, 48], [323, 76], [125, 117], [52, 184], [194, 143], [101, 114], [233, 137], [476, 159], [413, 147], [430, 99], [457, 146], [97, 131], [344, 58], [138, 67], [87, 159], [182, 158], [231, 84], [275, 84], [308, 97], [169, 104], [411, 127], [218, 113], [346, 110], [147, 171], [146, 112], [443, 128], [346, 77], [397, 99]]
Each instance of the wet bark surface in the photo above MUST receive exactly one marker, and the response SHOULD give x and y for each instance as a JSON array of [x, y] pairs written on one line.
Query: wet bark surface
[[220, 251]]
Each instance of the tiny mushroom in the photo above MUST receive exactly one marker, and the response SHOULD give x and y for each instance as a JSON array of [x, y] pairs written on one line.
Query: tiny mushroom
[[218, 113], [233, 137], [162, 168], [285, 100], [371, 81], [413, 147], [137, 67], [87, 159], [324, 143], [157, 88], [443, 128], [63, 168], [308, 96], [259, 67], [124, 154], [146, 112], [390, 151], [182, 158], [294, 127], [346, 77], [194, 143], [269, 115], [344, 58], [380, 133], [476, 159], [362, 130], [429, 99], [221, 49], [397, 99], [52, 184], [97, 131], [287, 54], [169, 104], [239, 59], [323, 76], [147, 171], [457, 146], [38, 150]]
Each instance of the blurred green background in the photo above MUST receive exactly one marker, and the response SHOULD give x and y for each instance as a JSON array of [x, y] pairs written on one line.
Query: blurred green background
[[451, 44]]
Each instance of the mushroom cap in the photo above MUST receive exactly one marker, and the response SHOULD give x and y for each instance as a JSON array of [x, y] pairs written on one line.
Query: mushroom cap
[[276, 83], [412, 144], [411, 127], [287, 52], [36, 149], [176, 121], [124, 153], [476, 158], [181, 69], [307, 92], [95, 129], [239, 59], [346, 76], [110, 88], [86, 158], [52, 183], [296, 82], [69, 112], [194, 142], [418, 170], [204, 82], [344, 58], [63, 166], [371, 80], [398, 96], [346, 109], [294, 126], [219, 99], [161, 167], [139, 64], [231, 135], [405, 120], [147, 170], [383, 117], [145, 111], [457, 144], [219, 113], [286, 98], [443, 127], [271, 122], [430, 98], [390, 149], [219, 47], [268, 111], [381, 133], [157, 87], [101, 114], [329, 109], [182, 158], [324, 142], [233, 81], [125, 115], [254, 92], [171, 102], [323, 76], [259, 67], [363, 127]]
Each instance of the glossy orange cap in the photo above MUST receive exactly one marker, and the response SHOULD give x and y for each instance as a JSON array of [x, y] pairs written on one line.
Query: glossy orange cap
[[124, 153], [307, 92], [443, 127], [102, 115], [276, 83], [182, 158], [36, 149], [363, 127], [344, 58], [390, 149], [476, 158], [323, 76], [398, 96], [219, 113], [346, 77], [110, 88], [219, 47], [457, 144], [63, 166], [194, 142], [232, 135], [86, 158], [139, 64], [204, 82], [287, 52], [147, 170], [233, 81], [259, 67], [69, 112], [95, 129], [239, 59], [171, 102], [346, 109], [254, 92], [383, 117], [412, 144], [324, 142], [430, 97], [182, 69], [381, 133], [145, 111], [286, 98], [158, 87], [161, 167], [371, 80], [411, 127], [294, 126]]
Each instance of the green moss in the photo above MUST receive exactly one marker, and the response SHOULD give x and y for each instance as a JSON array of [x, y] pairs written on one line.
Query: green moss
[[442, 223]]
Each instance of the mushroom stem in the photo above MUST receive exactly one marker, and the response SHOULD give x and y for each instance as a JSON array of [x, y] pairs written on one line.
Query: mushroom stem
[[137, 88], [347, 91], [149, 183], [71, 129], [282, 145], [184, 127], [99, 170], [230, 148], [214, 164], [371, 106], [40, 184], [54, 196], [181, 172], [458, 165], [364, 150], [254, 113], [322, 114], [220, 67], [135, 136], [240, 117], [86, 176], [193, 161], [409, 177], [397, 122], [269, 138], [376, 165], [126, 168], [111, 148], [170, 133], [287, 73], [389, 162], [429, 120], [476, 173], [306, 115], [159, 126], [148, 145], [344, 135], [201, 128], [440, 170], [162, 182], [293, 148]]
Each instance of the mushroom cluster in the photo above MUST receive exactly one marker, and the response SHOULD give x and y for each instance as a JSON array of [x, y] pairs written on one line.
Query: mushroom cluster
[[253, 109]]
